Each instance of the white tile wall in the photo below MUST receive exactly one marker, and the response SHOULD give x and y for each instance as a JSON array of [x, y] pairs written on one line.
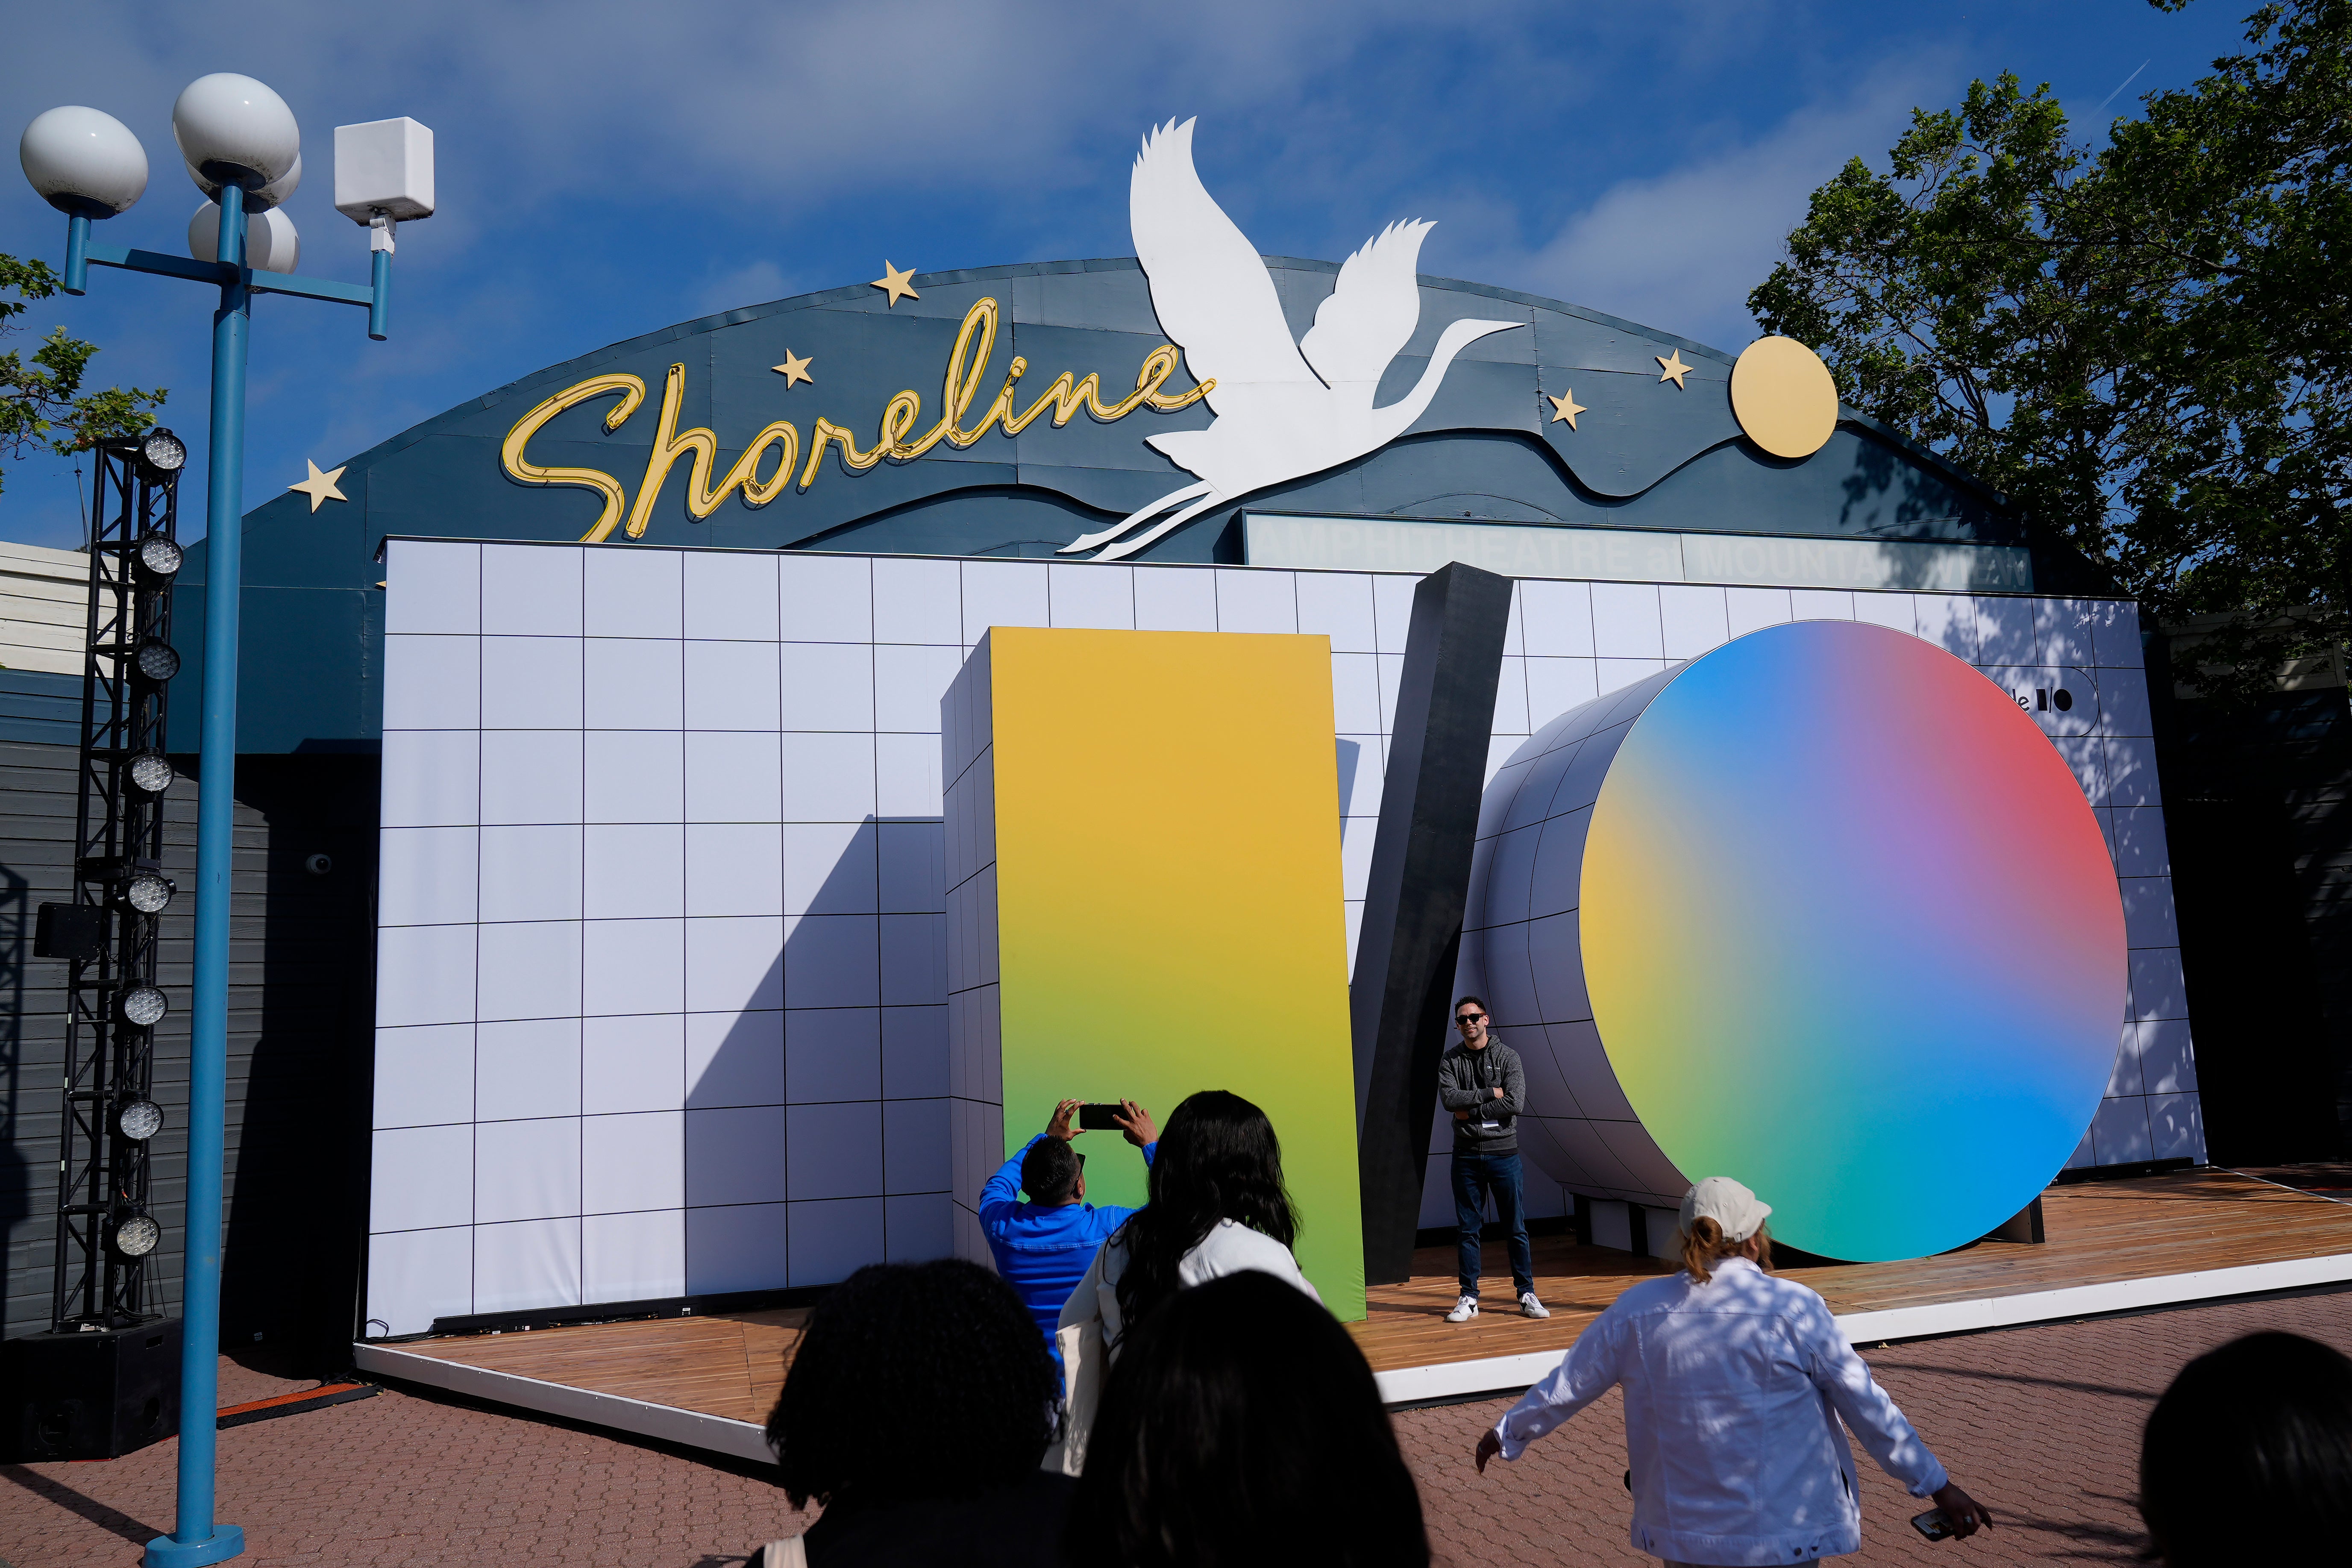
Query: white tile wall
[[1083, 595], [1175, 601], [975, 1106], [667, 921], [532, 683], [732, 596], [638, 1256]]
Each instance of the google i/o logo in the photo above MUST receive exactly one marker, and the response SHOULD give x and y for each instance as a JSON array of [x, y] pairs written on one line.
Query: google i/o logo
[[1843, 927]]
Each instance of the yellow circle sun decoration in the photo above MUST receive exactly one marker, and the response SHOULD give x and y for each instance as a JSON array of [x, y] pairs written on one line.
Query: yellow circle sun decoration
[[1784, 397]]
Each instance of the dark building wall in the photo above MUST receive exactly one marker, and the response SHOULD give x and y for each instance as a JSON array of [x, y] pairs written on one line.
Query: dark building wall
[[37, 825], [299, 1015], [301, 1042], [2259, 809]]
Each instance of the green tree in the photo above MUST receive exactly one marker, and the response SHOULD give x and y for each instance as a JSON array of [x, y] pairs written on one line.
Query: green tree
[[41, 400], [2145, 344]]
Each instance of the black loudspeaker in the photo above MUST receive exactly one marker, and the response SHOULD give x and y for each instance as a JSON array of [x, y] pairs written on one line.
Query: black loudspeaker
[[75, 932], [97, 1395]]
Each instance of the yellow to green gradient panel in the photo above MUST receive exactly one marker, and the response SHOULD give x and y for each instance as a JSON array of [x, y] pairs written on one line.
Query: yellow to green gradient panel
[[1169, 902]]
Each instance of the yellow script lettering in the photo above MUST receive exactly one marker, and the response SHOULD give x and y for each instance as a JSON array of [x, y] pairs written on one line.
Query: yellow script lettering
[[511, 451], [967, 361]]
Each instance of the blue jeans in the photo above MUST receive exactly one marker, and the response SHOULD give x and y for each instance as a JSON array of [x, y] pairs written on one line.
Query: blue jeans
[[1499, 1175]]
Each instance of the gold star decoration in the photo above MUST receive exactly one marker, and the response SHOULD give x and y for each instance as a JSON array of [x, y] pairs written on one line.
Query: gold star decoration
[[794, 371], [1565, 407], [320, 487], [1673, 369], [897, 284]]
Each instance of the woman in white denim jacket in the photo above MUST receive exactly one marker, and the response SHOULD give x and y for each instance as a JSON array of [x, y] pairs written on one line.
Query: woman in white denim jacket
[[1734, 1383]]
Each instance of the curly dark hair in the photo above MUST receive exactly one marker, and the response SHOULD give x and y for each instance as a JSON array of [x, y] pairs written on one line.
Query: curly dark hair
[[1218, 1159], [914, 1380], [2248, 1456], [1241, 1426]]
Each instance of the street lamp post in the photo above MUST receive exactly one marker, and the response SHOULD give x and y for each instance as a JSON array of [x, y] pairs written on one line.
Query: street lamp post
[[242, 148]]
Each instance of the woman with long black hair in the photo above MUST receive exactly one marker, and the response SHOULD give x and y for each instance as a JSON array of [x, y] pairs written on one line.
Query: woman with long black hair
[[1217, 1206], [1242, 1427]]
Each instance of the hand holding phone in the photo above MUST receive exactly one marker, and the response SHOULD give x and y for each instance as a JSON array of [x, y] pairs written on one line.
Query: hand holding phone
[[1955, 1515], [1137, 1124]]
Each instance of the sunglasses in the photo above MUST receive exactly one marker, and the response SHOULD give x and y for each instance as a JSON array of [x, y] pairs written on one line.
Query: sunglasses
[[1470, 1017]]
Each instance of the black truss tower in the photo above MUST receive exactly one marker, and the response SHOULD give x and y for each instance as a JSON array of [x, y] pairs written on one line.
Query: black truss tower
[[108, 932]]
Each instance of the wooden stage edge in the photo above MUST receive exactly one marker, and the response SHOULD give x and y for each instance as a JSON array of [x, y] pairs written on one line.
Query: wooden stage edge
[[2194, 1236]]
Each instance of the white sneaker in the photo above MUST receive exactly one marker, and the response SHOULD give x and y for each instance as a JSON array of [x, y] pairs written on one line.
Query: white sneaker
[[1531, 1307], [1464, 1311]]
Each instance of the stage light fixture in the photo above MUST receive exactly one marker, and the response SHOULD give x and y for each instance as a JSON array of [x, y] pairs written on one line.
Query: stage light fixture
[[163, 452], [159, 557], [143, 1006], [138, 1119], [151, 772], [135, 1235], [158, 661], [148, 891]]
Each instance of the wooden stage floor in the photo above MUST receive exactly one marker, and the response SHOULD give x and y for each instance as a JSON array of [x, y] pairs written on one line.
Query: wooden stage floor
[[2183, 1237]]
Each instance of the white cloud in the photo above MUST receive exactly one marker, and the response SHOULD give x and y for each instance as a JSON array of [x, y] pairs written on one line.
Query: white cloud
[[776, 105], [1680, 250]]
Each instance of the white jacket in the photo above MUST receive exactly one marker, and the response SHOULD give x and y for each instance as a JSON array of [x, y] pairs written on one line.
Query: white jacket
[[1729, 1390], [1228, 1248]]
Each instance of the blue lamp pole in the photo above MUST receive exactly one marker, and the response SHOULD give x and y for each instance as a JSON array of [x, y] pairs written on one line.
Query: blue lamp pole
[[82, 166]]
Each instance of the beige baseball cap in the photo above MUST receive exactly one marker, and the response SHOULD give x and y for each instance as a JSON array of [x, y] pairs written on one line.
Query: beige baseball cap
[[1732, 1207]]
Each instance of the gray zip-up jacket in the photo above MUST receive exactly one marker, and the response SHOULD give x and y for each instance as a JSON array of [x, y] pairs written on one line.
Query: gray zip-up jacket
[[1466, 1080]]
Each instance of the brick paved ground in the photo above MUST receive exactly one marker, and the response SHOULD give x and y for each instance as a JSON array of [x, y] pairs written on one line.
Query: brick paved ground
[[2042, 1425]]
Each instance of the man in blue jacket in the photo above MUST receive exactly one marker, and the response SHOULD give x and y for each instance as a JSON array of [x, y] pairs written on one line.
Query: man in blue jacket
[[1043, 1247]]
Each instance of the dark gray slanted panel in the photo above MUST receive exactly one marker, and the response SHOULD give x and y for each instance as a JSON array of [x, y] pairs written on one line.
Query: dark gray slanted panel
[[1411, 927]]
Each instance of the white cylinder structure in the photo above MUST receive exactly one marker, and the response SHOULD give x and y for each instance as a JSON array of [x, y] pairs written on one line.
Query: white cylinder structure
[[1822, 910]]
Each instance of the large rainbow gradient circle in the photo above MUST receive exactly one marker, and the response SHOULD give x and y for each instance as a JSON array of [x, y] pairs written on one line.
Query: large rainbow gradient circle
[[1851, 936]]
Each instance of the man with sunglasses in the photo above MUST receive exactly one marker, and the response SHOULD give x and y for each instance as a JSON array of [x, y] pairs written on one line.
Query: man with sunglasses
[[1043, 1247], [1479, 1079]]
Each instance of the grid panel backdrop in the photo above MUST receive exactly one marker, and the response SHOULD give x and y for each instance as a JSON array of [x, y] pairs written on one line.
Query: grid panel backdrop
[[661, 1007]]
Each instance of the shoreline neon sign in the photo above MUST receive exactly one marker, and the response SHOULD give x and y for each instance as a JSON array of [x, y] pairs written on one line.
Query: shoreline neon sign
[[1066, 396]]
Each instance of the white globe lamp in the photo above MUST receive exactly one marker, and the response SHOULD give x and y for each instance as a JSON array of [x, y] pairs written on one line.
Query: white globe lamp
[[235, 130], [272, 194], [270, 243], [83, 162]]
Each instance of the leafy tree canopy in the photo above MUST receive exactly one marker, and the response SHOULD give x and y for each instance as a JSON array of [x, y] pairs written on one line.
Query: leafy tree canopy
[[2148, 345], [41, 400]]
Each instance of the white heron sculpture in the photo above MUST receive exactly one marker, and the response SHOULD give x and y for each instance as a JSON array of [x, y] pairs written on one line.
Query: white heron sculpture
[[1284, 409]]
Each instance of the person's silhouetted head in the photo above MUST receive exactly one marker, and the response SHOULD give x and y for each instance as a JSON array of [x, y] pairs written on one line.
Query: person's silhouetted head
[[2248, 1456], [914, 1380], [1051, 1171], [1241, 1426], [1218, 1159]]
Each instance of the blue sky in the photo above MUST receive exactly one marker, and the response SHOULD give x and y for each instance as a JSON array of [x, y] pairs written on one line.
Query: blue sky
[[607, 168]]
